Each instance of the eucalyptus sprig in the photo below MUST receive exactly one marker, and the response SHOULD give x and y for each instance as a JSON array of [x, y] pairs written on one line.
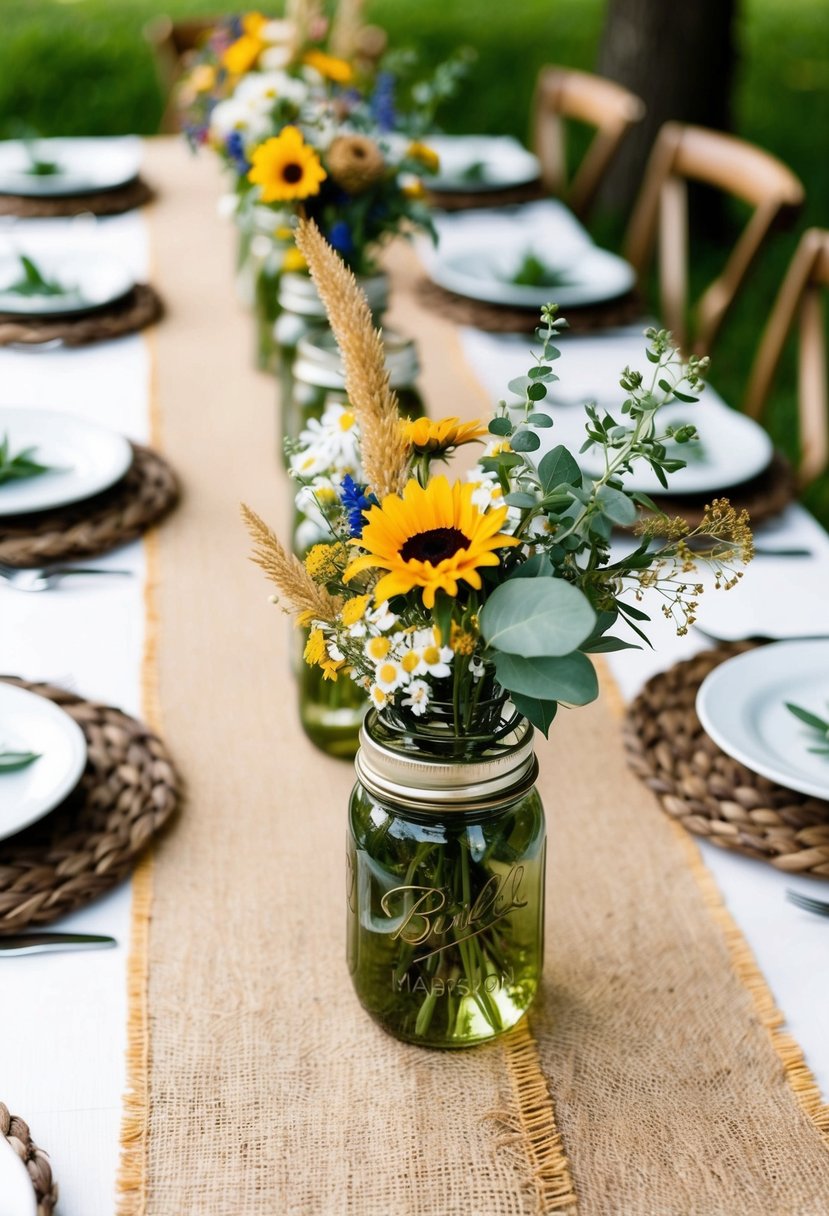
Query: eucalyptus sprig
[[17, 466], [33, 281], [13, 762], [816, 723]]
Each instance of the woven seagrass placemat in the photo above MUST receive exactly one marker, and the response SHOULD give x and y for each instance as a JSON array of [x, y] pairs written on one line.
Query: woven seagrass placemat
[[765, 496], [35, 1160], [142, 307], [707, 791], [474, 200], [103, 202], [95, 526], [129, 790], [497, 318]]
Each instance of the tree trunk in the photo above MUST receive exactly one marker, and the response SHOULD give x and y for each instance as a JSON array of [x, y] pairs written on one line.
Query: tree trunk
[[679, 57]]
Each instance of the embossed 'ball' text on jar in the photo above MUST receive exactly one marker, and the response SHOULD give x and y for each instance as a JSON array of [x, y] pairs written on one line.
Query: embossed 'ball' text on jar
[[446, 855]]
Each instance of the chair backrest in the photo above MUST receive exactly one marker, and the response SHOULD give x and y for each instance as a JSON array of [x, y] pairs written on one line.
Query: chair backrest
[[800, 299], [683, 153], [564, 94], [170, 42]]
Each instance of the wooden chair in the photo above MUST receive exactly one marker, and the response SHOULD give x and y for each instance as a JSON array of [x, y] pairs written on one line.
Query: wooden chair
[[170, 42], [563, 94], [799, 299], [683, 153]]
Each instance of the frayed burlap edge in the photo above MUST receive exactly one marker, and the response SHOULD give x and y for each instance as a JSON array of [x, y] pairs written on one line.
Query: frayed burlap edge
[[131, 1181], [530, 1127], [797, 1072]]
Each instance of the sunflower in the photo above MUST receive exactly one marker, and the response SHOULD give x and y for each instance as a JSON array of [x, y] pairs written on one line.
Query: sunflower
[[431, 537], [286, 168], [329, 66], [436, 437]]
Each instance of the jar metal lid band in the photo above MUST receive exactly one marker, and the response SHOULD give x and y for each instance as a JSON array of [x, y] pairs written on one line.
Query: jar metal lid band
[[452, 799]]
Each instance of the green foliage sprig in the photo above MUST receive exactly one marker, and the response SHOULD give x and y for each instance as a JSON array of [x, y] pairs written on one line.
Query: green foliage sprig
[[816, 723], [20, 465]]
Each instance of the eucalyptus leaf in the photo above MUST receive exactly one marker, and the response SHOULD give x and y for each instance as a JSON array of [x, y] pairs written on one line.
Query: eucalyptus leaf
[[542, 420], [525, 441], [607, 645], [558, 467], [545, 616], [540, 713], [519, 385], [537, 566], [569, 678], [521, 500], [500, 426], [13, 762], [617, 506]]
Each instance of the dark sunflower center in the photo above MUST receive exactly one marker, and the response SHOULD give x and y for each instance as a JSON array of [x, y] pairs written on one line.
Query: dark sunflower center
[[434, 546], [292, 173]]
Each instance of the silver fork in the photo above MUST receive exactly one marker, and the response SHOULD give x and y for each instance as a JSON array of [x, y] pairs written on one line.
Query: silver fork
[[45, 578], [818, 906]]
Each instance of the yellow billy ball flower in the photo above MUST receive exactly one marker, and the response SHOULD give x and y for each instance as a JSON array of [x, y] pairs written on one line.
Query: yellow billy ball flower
[[427, 156], [354, 610], [430, 538], [286, 168], [293, 261]]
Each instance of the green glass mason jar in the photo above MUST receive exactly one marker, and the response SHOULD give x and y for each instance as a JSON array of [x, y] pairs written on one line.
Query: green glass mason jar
[[445, 883], [331, 711], [301, 311], [319, 377]]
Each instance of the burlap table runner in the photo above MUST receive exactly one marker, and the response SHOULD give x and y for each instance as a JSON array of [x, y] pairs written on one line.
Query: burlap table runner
[[259, 1084]]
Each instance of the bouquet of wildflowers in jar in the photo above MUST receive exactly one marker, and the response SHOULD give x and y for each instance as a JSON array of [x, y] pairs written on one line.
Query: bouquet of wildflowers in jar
[[467, 610]]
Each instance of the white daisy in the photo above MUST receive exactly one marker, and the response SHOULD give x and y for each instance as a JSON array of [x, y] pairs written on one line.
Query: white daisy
[[378, 698], [417, 697], [389, 675]]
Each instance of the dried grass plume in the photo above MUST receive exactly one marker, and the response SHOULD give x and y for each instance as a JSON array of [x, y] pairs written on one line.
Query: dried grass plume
[[295, 586], [385, 452]]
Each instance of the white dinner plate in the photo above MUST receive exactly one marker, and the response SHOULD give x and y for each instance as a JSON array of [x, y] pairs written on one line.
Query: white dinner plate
[[589, 276], [83, 459], [17, 1195], [501, 162], [742, 706], [89, 281], [29, 723], [84, 165]]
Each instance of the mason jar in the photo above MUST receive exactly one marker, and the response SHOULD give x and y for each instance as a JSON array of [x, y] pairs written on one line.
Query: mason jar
[[301, 311], [445, 882], [319, 376]]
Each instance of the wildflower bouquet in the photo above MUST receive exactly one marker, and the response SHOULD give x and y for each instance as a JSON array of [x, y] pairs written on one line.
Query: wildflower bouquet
[[304, 130], [458, 604]]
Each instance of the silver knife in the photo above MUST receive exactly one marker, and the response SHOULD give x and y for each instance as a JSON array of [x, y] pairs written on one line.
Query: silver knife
[[39, 943]]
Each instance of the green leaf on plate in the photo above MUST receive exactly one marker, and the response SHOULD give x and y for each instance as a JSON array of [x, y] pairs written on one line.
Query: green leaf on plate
[[13, 762], [544, 616]]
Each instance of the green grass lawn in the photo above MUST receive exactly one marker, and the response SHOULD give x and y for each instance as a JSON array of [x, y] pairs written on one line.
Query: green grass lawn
[[81, 67]]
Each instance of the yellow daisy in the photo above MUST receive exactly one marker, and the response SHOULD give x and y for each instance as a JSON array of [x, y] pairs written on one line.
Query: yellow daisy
[[329, 66], [286, 168], [430, 538], [426, 435]]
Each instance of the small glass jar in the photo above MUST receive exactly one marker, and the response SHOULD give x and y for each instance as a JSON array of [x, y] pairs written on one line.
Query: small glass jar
[[301, 311], [446, 858], [319, 376], [331, 711]]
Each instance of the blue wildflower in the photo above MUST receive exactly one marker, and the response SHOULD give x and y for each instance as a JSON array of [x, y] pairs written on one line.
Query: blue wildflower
[[381, 102], [356, 501], [340, 238], [236, 151]]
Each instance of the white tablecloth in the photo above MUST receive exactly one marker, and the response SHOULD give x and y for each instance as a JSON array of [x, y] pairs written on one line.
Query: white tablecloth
[[62, 1017]]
